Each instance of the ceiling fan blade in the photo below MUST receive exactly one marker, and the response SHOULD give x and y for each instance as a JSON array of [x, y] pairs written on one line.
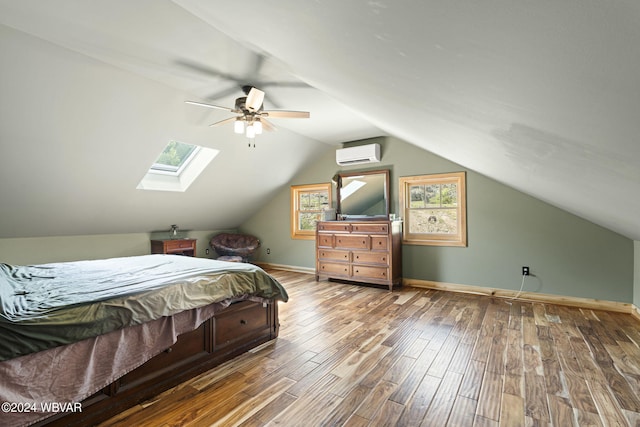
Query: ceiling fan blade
[[281, 114], [283, 84], [204, 69], [200, 104], [224, 92], [267, 125], [254, 99], [223, 122]]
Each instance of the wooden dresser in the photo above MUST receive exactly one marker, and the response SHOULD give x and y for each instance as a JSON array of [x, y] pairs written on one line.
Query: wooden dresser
[[360, 251]]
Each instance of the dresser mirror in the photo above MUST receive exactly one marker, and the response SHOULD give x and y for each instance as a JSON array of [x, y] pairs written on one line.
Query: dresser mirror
[[363, 195]]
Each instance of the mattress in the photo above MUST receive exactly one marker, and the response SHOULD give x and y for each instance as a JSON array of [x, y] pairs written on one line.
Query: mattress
[[49, 305]]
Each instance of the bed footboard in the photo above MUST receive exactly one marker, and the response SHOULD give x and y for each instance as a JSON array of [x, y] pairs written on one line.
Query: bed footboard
[[233, 331]]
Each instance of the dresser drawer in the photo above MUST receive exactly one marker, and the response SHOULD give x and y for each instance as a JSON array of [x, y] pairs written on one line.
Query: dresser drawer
[[344, 227], [379, 243], [179, 245], [333, 255], [370, 258], [240, 321], [376, 273], [370, 228], [351, 241], [325, 240], [336, 269]]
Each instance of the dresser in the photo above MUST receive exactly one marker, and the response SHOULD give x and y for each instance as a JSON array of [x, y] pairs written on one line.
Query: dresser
[[360, 251], [174, 246]]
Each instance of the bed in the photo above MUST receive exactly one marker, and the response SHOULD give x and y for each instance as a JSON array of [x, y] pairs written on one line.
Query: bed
[[82, 341]]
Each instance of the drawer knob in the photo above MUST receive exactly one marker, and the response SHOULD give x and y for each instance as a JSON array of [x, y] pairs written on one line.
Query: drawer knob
[[243, 322]]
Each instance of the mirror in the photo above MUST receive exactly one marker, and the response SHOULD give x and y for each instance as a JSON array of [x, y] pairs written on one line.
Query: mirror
[[363, 195]]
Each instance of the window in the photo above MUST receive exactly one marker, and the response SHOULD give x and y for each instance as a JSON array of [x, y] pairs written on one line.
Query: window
[[177, 166], [434, 209], [175, 156], [307, 205]]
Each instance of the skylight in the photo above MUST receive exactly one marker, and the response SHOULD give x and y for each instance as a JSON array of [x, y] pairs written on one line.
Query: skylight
[[175, 156], [177, 166]]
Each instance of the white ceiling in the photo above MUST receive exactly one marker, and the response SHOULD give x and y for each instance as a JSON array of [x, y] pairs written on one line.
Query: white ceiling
[[542, 96]]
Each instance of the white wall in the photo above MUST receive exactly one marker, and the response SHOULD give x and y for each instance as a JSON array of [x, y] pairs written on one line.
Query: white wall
[[77, 136]]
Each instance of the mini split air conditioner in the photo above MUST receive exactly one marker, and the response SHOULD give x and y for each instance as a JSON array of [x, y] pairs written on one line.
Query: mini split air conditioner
[[358, 155]]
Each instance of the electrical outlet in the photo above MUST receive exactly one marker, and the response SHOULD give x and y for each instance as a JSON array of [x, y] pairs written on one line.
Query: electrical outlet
[[525, 271], [268, 251]]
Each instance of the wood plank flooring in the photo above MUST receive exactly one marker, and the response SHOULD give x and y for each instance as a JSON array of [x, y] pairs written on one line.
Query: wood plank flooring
[[360, 356]]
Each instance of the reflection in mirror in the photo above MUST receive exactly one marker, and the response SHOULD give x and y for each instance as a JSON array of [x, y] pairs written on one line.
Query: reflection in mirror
[[363, 195]]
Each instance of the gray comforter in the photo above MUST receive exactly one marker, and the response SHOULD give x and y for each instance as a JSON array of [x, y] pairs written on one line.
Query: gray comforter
[[44, 306]]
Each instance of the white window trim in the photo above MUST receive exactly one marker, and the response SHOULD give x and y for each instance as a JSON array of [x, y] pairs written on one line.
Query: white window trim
[[180, 180]]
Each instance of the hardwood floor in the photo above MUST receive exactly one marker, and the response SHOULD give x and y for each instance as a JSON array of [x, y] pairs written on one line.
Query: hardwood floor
[[358, 356]]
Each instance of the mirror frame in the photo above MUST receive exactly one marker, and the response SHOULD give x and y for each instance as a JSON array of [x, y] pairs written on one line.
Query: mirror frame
[[386, 193]]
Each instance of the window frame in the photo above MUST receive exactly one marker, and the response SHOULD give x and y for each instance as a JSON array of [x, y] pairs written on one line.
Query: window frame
[[296, 191], [179, 180], [434, 239], [162, 168]]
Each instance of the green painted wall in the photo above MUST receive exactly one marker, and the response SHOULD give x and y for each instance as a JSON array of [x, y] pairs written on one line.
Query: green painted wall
[[636, 275], [506, 230], [41, 250]]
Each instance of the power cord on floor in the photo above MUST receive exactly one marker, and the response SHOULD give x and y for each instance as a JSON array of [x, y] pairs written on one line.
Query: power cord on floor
[[517, 295]]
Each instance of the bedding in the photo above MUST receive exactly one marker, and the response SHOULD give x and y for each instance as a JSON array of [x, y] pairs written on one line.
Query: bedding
[[49, 305], [71, 373], [68, 330]]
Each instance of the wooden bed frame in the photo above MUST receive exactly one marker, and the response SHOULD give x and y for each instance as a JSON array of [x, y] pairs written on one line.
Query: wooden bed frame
[[234, 330]]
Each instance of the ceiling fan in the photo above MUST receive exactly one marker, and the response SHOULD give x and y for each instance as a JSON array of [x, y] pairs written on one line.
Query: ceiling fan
[[251, 76], [250, 117]]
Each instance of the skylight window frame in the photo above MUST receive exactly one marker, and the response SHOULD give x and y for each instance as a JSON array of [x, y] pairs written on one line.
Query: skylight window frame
[[183, 176], [163, 169]]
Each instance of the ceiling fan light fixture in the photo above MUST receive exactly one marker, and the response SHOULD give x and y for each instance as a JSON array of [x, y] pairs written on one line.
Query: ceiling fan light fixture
[[251, 132], [257, 127], [250, 118], [238, 125]]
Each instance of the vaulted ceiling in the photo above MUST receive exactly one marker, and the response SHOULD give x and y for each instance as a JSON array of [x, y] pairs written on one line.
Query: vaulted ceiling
[[542, 96]]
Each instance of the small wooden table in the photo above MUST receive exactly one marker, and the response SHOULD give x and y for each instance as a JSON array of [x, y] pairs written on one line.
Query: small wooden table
[[174, 246]]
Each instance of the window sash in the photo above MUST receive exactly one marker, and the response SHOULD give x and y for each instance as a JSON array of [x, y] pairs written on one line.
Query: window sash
[[307, 202], [434, 208]]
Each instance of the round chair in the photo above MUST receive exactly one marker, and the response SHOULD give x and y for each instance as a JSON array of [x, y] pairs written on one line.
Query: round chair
[[234, 245]]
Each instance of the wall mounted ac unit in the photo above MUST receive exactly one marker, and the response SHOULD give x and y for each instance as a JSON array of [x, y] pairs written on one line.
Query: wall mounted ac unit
[[358, 155]]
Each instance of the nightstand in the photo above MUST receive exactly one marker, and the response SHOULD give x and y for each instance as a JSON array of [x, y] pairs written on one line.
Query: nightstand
[[174, 246]]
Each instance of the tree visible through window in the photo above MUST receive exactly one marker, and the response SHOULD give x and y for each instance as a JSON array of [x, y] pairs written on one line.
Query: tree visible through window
[[307, 205], [434, 209], [174, 156]]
